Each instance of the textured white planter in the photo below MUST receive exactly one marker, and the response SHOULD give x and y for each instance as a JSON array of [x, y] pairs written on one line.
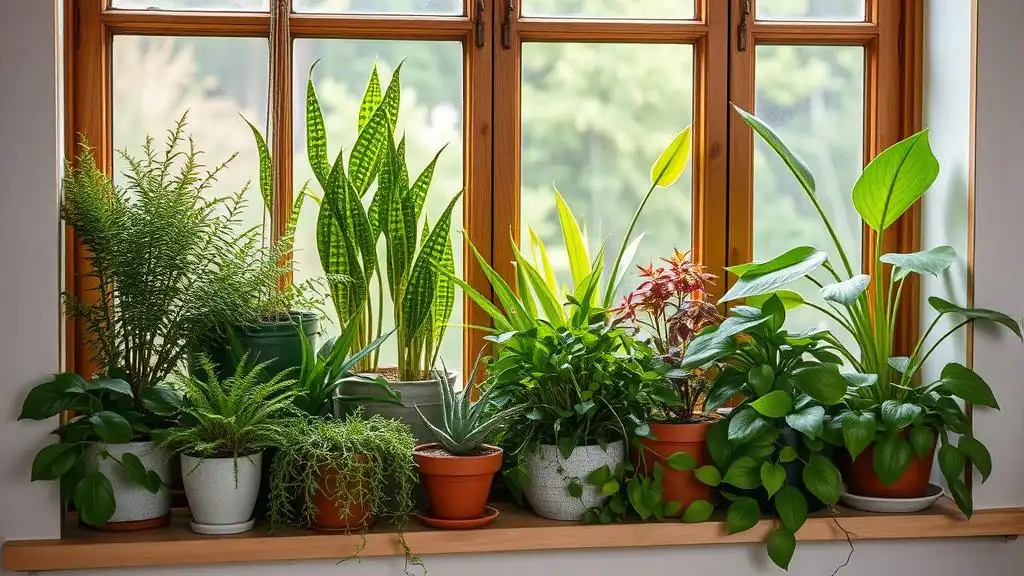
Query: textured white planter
[[134, 503], [219, 503], [550, 476]]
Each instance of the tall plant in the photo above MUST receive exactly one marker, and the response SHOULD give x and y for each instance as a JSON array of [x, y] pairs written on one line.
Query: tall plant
[[419, 261], [537, 295], [888, 405]]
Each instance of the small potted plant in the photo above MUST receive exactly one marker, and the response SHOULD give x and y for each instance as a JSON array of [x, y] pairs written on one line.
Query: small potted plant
[[458, 469], [669, 307], [581, 391], [226, 425], [341, 475], [890, 421], [140, 323]]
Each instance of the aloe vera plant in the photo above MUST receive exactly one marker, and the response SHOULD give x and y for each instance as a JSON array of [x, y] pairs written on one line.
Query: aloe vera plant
[[465, 425], [537, 295], [419, 262]]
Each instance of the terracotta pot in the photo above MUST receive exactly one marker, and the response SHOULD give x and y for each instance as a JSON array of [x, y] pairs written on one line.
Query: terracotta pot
[[329, 516], [457, 486], [861, 479], [677, 486]]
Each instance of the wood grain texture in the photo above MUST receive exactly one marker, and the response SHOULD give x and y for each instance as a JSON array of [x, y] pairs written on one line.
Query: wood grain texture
[[380, 27], [599, 30], [514, 530], [169, 23]]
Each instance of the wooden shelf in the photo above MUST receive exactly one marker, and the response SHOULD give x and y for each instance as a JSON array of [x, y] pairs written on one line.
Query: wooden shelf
[[514, 530]]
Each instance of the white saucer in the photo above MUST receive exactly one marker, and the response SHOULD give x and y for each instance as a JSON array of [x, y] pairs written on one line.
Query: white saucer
[[893, 505], [222, 529]]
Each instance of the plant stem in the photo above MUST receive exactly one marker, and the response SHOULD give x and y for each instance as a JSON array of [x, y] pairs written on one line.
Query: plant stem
[[610, 290]]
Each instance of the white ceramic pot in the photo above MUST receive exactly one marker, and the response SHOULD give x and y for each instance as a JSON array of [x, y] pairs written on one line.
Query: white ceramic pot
[[221, 502], [550, 475], [133, 502]]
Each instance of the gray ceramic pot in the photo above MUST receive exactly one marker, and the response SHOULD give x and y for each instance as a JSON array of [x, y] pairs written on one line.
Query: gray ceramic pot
[[422, 393]]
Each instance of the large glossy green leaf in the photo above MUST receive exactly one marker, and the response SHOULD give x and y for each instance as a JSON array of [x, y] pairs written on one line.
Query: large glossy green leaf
[[316, 134], [417, 299], [858, 432], [933, 262], [808, 421], [944, 307], [55, 460], [891, 457], [744, 472], [698, 511], [846, 292], [263, 153], [669, 165], [894, 180], [774, 404], [769, 276], [746, 424], [111, 426], [781, 545], [898, 415], [951, 461], [795, 165], [575, 243], [712, 344], [790, 299], [823, 382], [964, 383], [94, 499], [821, 477], [371, 99], [773, 476], [742, 515], [977, 453], [792, 507]]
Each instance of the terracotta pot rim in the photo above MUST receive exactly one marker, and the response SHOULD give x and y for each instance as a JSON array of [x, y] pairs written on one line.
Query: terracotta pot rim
[[678, 432], [420, 452]]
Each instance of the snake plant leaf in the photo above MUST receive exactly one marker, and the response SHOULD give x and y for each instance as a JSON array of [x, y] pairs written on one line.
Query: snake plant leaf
[[393, 222], [417, 194], [541, 252], [547, 297], [293, 218], [371, 99], [364, 160], [669, 165], [894, 180], [338, 253], [316, 134], [575, 244], [444, 295], [418, 296], [266, 186], [770, 276], [933, 262], [402, 174], [944, 307], [358, 228], [391, 102], [846, 292], [793, 162]]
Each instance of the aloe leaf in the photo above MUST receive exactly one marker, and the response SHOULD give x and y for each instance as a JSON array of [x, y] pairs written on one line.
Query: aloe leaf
[[894, 180], [575, 246], [316, 134]]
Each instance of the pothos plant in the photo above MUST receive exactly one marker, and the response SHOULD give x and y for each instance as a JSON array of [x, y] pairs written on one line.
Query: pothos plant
[[419, 259], [888, 405], [769, 452]]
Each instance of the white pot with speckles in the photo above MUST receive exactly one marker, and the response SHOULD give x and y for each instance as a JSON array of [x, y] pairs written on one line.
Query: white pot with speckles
[[133, 502], [221, 501], [550, 475]]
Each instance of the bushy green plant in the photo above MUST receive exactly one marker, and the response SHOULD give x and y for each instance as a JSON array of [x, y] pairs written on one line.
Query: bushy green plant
[[465, 425], [231, 417], [889, 406], [537, 295], [370, 457], [419, 259], [787, 381], [167, 261]]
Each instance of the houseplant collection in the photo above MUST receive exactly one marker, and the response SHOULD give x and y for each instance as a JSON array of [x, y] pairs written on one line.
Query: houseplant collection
[[591, 411]]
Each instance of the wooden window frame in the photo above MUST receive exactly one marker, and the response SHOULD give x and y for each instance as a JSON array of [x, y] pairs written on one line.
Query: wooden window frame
[[722, 207]]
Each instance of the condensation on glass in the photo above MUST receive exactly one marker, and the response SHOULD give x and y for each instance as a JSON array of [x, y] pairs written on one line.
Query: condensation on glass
[[819, 113], [431, 117], [817, 10], [215, 81], [594, 119], [192, 5], [412, 7], [645, 9]]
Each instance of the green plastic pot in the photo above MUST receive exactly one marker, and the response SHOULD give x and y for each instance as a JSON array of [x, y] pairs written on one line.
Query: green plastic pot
[[276, 340]]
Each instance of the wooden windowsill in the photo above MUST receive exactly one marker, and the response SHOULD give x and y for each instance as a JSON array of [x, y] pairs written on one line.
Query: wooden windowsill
[[514, 530]]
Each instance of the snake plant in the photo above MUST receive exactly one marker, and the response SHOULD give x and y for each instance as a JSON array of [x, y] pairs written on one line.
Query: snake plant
[[465, 425]]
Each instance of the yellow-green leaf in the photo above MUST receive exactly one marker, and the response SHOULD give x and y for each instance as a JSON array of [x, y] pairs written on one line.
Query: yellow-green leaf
[[669, 166], [575, 245]]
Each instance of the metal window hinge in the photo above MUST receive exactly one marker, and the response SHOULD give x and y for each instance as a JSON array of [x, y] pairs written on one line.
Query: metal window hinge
[[479, 26], [741, 30], [506, 25]]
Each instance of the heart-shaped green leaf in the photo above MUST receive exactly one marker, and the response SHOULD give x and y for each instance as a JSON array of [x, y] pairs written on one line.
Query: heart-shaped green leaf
[[823, 382], [744, 473], [94, 499], [761, 378], [978, 454], [773, 476], [743, 514], [894, 181], [698, 511], [807, 421], [899, 415], [708, 475], [858, 432], [792, 507], [111, 427], [891, 458], [681, 461], [922, 439], [821, 477], [781, 546], [774, 404], [962, 382], [944, 307]]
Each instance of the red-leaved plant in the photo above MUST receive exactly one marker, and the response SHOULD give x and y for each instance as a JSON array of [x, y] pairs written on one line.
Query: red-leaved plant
[[669, 306]]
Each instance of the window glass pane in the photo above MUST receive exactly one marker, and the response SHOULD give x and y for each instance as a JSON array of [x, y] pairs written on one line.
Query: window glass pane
[[664, 9], [819, 113], [810, 9], [431, 116], [433, 7], [156, 80], [595, 117], [212, 5]]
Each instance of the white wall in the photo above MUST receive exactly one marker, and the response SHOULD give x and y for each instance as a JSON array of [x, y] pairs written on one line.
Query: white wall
[[29, 145]]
